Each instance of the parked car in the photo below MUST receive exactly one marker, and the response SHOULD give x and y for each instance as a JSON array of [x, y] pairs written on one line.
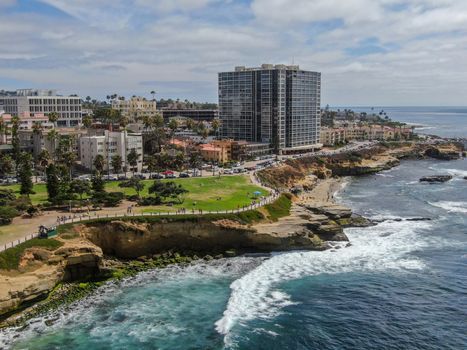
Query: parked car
[[184, 175], [157, 176], [170, 176], [110, 177], [139, 176], [122, 177], [228, 171]]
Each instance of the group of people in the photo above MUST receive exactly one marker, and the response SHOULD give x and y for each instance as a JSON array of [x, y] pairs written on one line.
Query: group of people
[[62, 219]]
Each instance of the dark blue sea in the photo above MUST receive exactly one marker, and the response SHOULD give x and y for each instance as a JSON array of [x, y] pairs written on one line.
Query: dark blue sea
[[402, 284], [441, 121]]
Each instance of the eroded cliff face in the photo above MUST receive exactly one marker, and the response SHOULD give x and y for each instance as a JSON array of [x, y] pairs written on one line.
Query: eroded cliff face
[[40, 270], [125, 239], [367, 161]]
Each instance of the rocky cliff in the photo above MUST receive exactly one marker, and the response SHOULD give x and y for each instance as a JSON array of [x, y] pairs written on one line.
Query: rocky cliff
[[368, 161], [39, 271]]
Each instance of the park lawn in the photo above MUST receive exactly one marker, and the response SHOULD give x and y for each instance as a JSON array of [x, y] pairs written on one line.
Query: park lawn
[[206, 193], [203, 192], [40, 195]]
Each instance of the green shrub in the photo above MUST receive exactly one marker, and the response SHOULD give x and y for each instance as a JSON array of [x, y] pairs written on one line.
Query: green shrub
[[280, 207], [150, 201], [9, 259], [6, 196], [250, 216], [108, 199], [22, 203], [7, 214]]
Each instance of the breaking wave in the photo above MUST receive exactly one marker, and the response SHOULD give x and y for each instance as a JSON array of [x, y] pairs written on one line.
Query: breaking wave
[[384, 247], [453, 207]]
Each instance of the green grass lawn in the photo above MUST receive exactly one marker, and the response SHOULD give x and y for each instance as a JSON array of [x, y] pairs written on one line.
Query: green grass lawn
[[9, 259], [203, 192], [39, 197], [209, 193]]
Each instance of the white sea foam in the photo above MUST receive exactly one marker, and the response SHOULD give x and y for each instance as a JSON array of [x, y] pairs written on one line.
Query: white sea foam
[[456, 172], [83, 311], [384, 175], [384, 247], [453, 207], [343, 185]]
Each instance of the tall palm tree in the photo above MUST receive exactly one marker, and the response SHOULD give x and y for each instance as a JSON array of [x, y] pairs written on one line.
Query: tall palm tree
[[2, 129], [52, 136], [215, 124]]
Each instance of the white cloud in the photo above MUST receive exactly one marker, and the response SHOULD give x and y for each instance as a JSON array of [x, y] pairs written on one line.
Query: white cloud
[[385, 52]]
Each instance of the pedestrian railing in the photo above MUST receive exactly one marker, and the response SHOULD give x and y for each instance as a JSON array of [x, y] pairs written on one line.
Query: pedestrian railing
[[81, 218]]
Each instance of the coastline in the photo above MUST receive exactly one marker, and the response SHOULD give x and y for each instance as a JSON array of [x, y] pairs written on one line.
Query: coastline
[[315, 218]]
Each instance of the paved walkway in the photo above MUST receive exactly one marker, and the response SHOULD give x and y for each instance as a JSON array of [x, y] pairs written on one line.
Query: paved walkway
[[29, 226]]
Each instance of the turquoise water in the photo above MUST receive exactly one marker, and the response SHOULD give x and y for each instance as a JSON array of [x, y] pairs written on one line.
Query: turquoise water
[[402, 284]]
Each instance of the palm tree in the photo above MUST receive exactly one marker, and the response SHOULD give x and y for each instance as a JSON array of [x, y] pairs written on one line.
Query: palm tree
[[3, 130], [173, 126], [53, 117], [216, 123], [87, 122], [99, 163], [116, 163], [52, 137], [36, 128], [132, 159], [190, 124], [153, 93]]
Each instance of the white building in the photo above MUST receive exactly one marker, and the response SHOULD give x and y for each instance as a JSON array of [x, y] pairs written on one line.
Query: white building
[[33, 101], [109, 144], [135, 108]]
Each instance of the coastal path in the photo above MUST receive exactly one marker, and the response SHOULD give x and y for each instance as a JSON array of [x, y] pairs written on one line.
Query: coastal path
[[68, 219]]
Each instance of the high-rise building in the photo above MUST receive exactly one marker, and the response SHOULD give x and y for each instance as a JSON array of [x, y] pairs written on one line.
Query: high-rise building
[[34, 101], [275, 104]]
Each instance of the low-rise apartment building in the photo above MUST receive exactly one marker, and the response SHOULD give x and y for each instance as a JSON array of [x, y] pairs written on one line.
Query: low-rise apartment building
[[336, 136], [108, 144]]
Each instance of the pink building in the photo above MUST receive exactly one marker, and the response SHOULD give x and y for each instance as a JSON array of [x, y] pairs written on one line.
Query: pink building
[[27, 121]]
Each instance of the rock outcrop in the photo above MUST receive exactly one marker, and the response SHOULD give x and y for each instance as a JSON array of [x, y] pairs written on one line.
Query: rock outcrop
[[436, 178], [40, 270], [443, 152]]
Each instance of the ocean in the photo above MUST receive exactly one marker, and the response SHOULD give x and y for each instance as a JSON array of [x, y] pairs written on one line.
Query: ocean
[[402, 284], [441, 121]]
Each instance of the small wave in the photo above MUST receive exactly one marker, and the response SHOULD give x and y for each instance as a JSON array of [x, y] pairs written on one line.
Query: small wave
[[383, 247], [384, 175], [456, 172], [344, 184], [453, 207]]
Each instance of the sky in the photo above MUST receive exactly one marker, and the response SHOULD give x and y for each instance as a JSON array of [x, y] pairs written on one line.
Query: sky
[[370, 52]]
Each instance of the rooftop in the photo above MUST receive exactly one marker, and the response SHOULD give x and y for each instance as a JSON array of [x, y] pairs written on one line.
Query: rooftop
[[267, 66]]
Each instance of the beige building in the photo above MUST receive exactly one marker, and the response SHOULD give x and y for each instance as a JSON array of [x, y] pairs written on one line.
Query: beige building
[[335, 136], [135, 108]]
